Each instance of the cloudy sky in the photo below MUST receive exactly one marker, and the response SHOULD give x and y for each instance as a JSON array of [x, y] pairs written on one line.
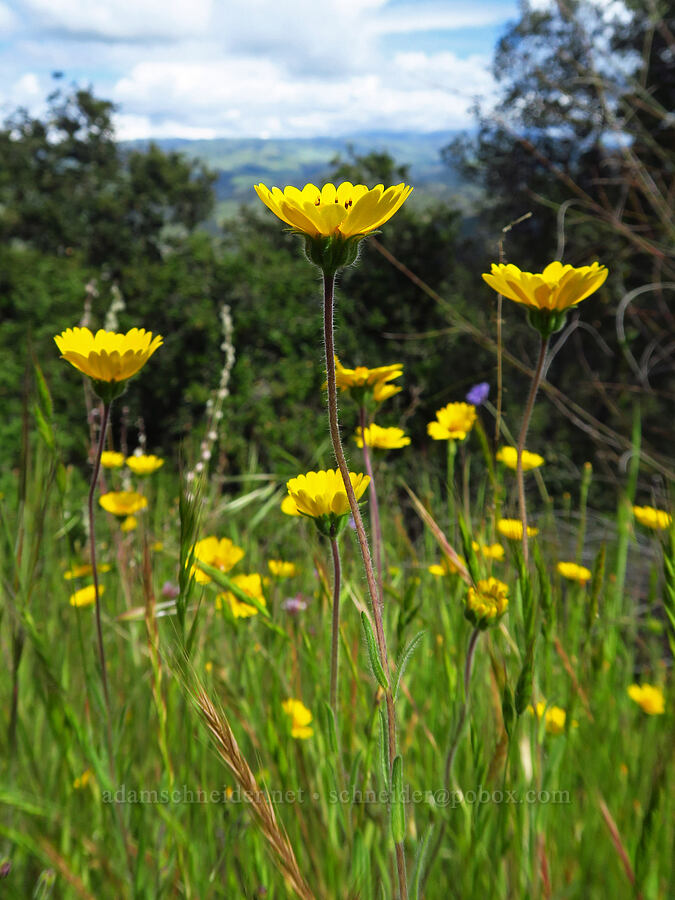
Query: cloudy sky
[[263, 68]]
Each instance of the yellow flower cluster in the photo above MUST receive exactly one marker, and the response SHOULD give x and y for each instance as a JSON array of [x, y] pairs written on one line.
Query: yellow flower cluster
[[107, 356], [222, 554], [509, 457], [363, 383], [250, 585], [86, 596], [144, 465], [555, 289], [488, 551], [658, 519], [486, 602], [123, 503], [574, 572], [512, 529], [300, 718], [281, 569], [648, 697], [112, 460], [554, 717], [323, 493], [453, 422]]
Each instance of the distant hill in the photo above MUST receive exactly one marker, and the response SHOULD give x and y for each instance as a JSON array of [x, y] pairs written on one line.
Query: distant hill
[[242, 162]]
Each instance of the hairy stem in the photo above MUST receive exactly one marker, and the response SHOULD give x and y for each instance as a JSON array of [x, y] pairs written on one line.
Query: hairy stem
[[374, 508], [335, 632]]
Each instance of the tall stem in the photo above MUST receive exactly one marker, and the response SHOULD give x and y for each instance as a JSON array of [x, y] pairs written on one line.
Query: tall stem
[[335, 631], [374, 508], [328, 293], [92, 553], [534, 387]]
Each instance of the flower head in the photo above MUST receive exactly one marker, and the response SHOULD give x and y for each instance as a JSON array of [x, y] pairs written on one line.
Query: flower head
[[123, 503], [300, 718], [129, 524], [512, 529], [445, 567], [86, 596], [647, 696], [250, 585], [112, 460], [658, 519], [488, 551], [144, 465], [509, 456], [382, 438], [221, 554], [107, 357], [322, 496], [289, 507], [363, 382], [346, 211], [282, 569], [555, 289], [486, 602], [453, 422], [294, 605], [86, 569], [478, 394], [554, 717], [573, 572]]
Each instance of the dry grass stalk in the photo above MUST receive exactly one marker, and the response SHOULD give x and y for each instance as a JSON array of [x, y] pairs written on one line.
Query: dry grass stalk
[[258, 799]]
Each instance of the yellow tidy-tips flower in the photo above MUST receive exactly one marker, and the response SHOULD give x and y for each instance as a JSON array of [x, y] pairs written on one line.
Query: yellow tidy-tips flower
[[453, 422], [382, 438], [486, 602], [281, 569], [647, 696], [108, 358], [347, 211], [123, 503], [489, 551], [658, 519], [512, 529], [80, 571], [322, 496], [129, 524], [574, 572], [144, 465], [86, 596], [250, 585], [300, 718], [222, 554], [548, 294], [363, 382], [509, 456], [554, 717], [112, 460]]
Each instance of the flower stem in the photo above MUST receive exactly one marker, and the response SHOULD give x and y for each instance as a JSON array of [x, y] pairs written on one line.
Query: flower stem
[[92, 552], [328, 293], [534, 387], [335, 633], [374, 508], [450, 478]]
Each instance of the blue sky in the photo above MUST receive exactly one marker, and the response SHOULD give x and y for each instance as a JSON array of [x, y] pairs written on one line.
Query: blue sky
[[262, 68]]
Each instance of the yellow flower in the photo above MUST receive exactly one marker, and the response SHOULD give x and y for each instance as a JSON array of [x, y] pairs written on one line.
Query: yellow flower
[[486, 602], [300, 718], [86, 596], [144, 465], [658, 519], [323, 493], [573, 572], [288, 506], [222, 554], [453, 422], [249, 584], [513, 529], [555, 289], [282, 569], [129, 524], [107, 356], [489, 551], [445, 567], [112, 460], [363, 377], [346, 211], [647, 696], [79, 571], [83, 780], [509, 456], [554, 717], [123, 503], [382, 438]]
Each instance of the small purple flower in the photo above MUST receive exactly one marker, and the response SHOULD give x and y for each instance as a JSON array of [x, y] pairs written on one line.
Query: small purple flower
[[295, 604], [170, 591], [478, 393]]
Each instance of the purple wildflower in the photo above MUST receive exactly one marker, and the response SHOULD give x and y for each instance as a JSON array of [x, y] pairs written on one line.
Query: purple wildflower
[[478, 393]]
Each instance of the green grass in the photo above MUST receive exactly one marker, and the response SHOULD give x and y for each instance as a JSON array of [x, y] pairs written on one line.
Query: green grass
[[584, 813]]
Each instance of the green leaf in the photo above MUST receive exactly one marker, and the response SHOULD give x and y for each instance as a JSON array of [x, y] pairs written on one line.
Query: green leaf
[[375, 663], [397, 802], [404, 659]]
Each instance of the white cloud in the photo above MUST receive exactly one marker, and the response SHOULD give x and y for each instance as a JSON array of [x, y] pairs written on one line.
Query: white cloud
[[8, 20]]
